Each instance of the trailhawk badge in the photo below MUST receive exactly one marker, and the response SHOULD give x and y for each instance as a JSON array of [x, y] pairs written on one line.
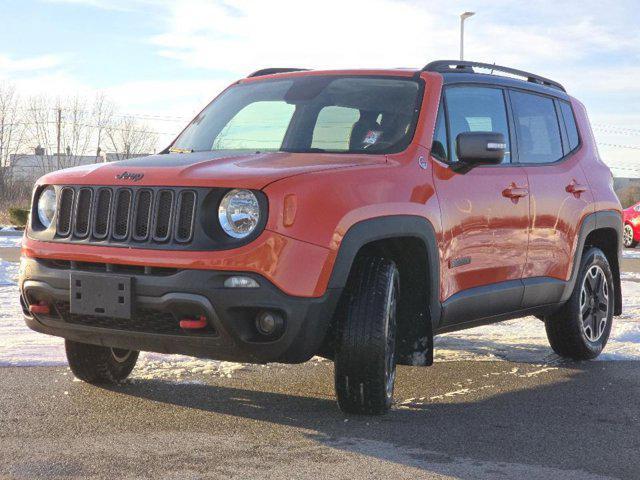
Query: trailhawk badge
[[135, 177]]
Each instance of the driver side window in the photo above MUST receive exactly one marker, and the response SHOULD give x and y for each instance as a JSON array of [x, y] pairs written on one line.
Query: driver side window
[[476, 109]]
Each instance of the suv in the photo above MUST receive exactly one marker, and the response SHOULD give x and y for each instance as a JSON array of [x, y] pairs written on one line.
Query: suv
[[347, 214]]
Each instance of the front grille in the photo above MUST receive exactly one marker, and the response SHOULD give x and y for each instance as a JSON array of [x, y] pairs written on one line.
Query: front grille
[[127, 215], [142, 320], [65, 211], [102, 213]]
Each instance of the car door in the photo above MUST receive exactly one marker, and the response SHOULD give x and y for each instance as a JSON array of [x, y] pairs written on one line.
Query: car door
[[485, 210], [548, 148]]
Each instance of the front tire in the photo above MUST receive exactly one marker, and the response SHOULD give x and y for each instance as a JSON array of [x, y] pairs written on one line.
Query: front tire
[[627, 237], [99, 365], [365, 359], [581, 328]]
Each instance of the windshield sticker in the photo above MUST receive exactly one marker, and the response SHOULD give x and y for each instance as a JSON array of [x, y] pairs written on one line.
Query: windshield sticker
[[372, 137]]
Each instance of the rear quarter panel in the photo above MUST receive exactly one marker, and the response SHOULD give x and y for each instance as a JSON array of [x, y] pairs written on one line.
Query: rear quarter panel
[[598, 174]]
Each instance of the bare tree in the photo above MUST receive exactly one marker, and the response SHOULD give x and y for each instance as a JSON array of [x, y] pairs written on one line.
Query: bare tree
[[60, 131], [12, 127], [128, 138], [102, 113]]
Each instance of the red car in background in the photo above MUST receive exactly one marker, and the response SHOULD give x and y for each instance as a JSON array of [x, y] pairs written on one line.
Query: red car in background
[[631, 234]]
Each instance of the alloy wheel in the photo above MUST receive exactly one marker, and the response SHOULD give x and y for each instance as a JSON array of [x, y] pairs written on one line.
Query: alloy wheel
[[594, 303], [627, 235]]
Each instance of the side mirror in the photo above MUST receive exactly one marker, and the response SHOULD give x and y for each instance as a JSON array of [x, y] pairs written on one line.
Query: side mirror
[[478, 148]]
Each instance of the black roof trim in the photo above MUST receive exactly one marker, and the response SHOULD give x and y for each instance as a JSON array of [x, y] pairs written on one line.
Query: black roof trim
[[463, 66], [272, 71]]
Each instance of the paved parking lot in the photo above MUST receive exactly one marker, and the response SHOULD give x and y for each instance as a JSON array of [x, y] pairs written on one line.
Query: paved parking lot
[[469, 420]]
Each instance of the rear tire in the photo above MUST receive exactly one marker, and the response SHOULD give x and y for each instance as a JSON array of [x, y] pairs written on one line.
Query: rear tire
[[581, 328], [365, 359], [99, 365], [627, 237]]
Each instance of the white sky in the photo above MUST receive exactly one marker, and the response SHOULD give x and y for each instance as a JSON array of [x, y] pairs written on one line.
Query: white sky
[[169, 58]]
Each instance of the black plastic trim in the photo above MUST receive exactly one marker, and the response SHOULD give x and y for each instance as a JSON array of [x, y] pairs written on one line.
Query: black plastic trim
[[482, 302], [461, 66], [382, 228], [231, 312], [275, 70], [605, 219]]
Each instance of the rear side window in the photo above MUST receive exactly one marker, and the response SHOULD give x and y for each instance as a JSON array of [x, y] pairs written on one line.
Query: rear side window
[[570, 123], [537, 128], [477, 109]]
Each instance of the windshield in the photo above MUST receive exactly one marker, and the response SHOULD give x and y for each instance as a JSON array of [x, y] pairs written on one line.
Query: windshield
[[308, 114]]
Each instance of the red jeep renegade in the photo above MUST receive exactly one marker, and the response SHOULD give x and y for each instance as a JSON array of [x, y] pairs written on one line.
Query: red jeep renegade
[[348, 214]]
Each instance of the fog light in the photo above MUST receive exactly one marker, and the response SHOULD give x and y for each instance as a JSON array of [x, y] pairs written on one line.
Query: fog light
[[269, 323], [240, 282]]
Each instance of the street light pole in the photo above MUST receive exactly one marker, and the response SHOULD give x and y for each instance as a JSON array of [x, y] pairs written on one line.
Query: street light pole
[[463, 17]]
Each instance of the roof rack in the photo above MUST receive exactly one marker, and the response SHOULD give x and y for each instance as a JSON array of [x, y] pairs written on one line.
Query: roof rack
[[271, 71], [462, 66]]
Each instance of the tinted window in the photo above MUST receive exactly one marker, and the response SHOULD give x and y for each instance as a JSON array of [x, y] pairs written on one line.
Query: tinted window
[[334, 127], [258, 125], [477, 109], [570, 123], [537, 128], [439, 147], [308, 114]]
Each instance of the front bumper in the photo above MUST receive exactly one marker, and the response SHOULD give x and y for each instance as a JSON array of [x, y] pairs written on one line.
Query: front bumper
[[162, 296]]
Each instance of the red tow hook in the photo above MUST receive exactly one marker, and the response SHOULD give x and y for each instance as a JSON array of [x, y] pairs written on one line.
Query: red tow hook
[[40, 308], [194, 323]]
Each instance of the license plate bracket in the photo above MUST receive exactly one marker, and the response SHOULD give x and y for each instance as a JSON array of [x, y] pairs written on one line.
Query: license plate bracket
[[100, 295]]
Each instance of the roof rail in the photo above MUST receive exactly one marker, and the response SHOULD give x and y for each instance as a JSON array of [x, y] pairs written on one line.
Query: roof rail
[[462, 66], [271, 71]]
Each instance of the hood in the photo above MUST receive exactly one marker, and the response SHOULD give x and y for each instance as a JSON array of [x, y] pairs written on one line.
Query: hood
[[207, 169]]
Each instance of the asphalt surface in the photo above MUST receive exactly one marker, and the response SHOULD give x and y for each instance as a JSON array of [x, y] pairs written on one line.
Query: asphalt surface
[[468, 420], [465, 420]]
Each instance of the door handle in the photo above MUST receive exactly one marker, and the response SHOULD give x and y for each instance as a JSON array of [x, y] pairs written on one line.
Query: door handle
[[576, 188], [515, 192]]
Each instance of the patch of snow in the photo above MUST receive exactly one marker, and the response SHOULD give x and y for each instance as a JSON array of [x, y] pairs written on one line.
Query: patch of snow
[[10, 241], [522, 340], [8, 273], [630, 253]]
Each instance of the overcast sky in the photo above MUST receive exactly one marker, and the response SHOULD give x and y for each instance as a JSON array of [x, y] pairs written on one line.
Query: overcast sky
[[169, 58]]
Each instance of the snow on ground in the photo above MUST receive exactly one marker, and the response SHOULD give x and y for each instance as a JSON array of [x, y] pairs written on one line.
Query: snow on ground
[[522, 340], [10, 241], [630, 253]]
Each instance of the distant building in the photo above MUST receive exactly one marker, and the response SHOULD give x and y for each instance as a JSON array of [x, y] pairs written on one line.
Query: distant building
[[27, 168]]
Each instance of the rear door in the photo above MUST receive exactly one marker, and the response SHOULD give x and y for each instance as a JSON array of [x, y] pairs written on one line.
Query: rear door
[[549, 149], [485, 211]]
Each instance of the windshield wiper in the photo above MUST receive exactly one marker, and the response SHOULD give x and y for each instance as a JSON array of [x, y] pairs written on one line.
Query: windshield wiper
[[180, 150], [304, 150]]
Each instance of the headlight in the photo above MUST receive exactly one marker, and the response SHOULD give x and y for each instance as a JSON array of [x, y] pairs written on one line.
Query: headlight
[[239, 213], [47, 206]]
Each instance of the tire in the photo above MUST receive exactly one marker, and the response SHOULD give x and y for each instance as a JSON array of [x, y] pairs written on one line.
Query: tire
[[365, 359], [575, 331], [627, 237], [99, 365]]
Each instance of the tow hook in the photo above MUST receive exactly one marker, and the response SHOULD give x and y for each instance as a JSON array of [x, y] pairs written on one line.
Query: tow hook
[[194, 323], [40, 308]]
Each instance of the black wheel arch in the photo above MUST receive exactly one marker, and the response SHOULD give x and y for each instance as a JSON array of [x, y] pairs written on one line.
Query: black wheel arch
[[411, 242], [602, 229]]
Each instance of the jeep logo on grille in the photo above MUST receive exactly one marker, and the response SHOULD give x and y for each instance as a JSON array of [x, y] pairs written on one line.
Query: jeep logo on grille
[[135, 177]]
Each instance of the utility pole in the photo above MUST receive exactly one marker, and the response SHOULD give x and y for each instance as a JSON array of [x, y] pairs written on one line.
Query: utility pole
[[463, 17], [58, 128]]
